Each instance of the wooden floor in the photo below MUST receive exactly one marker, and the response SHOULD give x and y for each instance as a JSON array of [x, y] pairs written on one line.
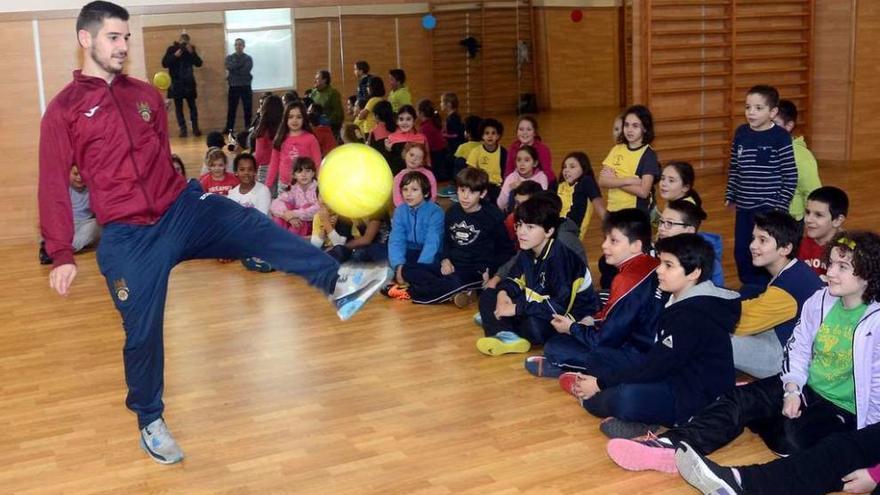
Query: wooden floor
[[268, 392]]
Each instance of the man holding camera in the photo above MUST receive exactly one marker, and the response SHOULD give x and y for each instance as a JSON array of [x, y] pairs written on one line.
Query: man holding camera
[[179, 59]]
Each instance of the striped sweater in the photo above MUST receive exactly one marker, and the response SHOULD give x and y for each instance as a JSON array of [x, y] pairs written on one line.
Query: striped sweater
[[762, 169]]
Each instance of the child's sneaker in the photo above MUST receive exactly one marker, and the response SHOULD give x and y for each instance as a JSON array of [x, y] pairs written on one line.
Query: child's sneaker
[[618, 428], [464, 299], [705, 475], [541, 366], [567, 381], [447, 192], [257, 265], [503, 343], [648, 454], [157, 441], [355, 286]]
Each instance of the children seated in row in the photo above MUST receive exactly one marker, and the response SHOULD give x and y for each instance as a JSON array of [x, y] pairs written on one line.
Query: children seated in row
[[828, 379], [631, 167], [295, 208], [414, 156], [474, 245], [824, 214], [489, 156], [249, 193], [689, 363], [416, 233], [768, 319], [528, 168], [546, 279], [762, 176], [628, 320], [293, 139], [807, 168], [579, 192], [217, 180], [527, 135]]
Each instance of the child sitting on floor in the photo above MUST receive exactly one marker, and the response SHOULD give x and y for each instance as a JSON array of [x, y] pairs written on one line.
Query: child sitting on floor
[[295, 208], [547, 279], [824, 214]]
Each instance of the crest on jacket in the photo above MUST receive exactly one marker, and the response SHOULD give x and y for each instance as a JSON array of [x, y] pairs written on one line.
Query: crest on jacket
[[144, 111], [464, 234]]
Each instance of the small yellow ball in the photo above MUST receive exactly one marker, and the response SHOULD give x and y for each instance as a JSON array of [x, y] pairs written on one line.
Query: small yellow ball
[[162, 80]]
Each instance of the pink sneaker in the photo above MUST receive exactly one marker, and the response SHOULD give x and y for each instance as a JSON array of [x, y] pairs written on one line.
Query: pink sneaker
[[648, 454], [567, 381]]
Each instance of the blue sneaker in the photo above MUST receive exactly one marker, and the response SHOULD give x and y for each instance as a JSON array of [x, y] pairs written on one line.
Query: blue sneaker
[[478, 319], [157, 441], [542, 367], [355, 286], [448, 192]]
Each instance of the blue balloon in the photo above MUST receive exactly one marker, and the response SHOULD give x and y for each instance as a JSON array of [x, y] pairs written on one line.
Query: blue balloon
[[429, 22]]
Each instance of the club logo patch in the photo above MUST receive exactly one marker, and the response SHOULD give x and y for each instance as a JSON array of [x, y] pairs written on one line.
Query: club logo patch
[[144, 111], [121, 290]]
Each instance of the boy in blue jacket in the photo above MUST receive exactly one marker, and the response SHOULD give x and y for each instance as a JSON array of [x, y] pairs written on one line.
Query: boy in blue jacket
[[629, 318], [691, 361], [416, 233], [547, 279]]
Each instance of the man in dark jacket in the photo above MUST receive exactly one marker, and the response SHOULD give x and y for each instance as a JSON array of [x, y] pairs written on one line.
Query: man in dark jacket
[[238, 67], [179, 59]]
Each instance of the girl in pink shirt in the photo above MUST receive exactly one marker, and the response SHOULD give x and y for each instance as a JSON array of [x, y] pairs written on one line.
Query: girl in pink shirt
[[414, 156], [405, 133], [528, 167], [293, 140], [294, 209], [270, 119], [527, 134]]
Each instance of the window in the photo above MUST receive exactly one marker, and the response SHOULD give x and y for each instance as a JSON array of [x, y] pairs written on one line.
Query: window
[[268, 37]]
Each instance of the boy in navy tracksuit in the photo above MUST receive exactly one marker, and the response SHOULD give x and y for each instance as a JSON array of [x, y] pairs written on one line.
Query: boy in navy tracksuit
[[690, 362], [547, 279], [474, 241], [115, 129], [629, 318]]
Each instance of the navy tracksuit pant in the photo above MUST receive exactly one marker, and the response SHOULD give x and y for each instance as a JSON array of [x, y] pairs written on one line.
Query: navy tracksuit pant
[[427, 285], [136, 261]]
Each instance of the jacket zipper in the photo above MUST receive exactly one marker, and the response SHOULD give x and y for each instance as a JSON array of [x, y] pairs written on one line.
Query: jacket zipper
[[137, 171], [853, 350]]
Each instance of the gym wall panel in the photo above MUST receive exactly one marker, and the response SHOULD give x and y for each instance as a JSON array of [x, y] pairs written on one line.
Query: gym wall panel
[[582, 59], [19, 134], [866, 104], [832, 85], [416, 59]]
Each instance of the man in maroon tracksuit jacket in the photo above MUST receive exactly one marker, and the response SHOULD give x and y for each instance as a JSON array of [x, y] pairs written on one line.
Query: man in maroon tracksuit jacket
[[114, 128]]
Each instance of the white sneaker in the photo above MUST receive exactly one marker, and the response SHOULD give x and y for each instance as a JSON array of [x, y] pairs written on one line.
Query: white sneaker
[[157, 441], [355, 285]]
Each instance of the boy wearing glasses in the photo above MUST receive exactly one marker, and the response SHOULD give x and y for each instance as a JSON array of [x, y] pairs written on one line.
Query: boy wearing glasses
[[682, 216]]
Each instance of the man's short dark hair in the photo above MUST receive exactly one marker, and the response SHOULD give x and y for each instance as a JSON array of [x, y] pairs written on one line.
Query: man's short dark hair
[[243, 156], [493, 123], [781, 227], [473, 178], [691, 214], [770, 94], [633, 223], [538, 210], [397, 74], [692, 252], [91, 16], [363, 66], [834, 197], [239, 39], [788, 111], [325, 75]]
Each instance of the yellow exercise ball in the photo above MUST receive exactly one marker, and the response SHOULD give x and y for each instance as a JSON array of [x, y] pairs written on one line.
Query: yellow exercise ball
[[162, 80], [355, 180]]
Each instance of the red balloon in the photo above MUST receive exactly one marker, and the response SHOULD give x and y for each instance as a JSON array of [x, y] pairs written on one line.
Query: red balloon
[[577, 15]]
